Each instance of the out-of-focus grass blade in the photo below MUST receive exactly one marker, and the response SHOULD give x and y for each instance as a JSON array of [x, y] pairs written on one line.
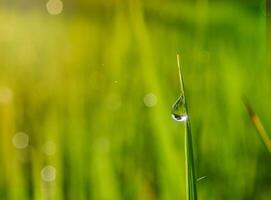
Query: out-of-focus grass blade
[[258, 125]]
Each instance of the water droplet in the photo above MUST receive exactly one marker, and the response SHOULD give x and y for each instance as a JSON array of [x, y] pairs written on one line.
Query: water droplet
[[178, 110], [179, 118]]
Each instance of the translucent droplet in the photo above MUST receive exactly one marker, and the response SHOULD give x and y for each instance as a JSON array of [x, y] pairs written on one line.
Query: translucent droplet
[[178, 110], [179, 118]]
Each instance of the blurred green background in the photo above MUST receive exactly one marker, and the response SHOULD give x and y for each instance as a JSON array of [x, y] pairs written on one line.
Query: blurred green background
[[86, 89]]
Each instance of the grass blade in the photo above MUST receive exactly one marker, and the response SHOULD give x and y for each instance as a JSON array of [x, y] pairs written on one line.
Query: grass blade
[[190, 168], [180, 113], [259, 126]]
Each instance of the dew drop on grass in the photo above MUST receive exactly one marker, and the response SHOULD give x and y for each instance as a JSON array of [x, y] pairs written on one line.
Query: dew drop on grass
[[178, 112], [179, 118]]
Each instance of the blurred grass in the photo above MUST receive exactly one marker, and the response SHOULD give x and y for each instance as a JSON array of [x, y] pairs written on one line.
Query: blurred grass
[[79, 79], [255, 120]]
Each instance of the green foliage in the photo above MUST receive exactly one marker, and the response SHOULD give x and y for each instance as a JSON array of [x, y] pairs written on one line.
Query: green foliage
[[77, 84]]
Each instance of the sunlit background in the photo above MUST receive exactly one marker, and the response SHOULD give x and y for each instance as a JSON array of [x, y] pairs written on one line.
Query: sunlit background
[[86, 89]]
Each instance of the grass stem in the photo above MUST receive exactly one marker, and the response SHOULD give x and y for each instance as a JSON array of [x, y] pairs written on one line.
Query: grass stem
[[191, 187], [259, 126]]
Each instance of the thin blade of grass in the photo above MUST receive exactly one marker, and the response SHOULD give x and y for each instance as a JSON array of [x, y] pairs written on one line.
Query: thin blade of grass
[[190, 168], [191, 185]]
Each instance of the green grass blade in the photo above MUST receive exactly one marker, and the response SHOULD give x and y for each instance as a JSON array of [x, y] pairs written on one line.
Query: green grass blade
[[190, 168], [259, 126], [191, 187]]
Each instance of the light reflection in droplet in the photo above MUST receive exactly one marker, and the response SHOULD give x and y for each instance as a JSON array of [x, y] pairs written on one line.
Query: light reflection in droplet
[[179, 118], [178, 111]]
